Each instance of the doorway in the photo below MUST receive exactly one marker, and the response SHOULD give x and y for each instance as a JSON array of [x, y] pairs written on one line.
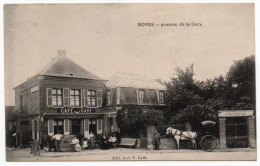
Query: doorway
[[75, 126], [93, 126]]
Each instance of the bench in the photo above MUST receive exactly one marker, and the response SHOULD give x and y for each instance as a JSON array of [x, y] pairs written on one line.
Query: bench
[[130, 142]]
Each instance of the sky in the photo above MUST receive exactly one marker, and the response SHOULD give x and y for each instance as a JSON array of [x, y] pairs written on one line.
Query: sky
[[106, 38]]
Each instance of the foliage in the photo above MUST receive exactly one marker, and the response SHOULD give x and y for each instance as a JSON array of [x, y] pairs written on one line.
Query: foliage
[[192, 100]]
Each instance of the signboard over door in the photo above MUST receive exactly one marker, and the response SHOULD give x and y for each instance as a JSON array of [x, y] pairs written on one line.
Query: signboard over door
[[235, 113]]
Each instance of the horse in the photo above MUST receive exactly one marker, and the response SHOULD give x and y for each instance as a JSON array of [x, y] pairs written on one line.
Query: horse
[[183, 135]]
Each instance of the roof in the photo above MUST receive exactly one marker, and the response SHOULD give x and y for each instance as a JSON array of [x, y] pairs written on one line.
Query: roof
[[134, 81], [62, 66]]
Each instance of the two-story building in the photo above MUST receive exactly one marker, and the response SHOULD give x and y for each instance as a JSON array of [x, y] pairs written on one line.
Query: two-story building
[[62, 97], [126, 89]]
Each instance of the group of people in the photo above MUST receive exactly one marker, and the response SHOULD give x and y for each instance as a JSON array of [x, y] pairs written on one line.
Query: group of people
[[106, 142]]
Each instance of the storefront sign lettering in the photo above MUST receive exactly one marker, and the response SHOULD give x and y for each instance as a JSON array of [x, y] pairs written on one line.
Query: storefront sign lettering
[[76, 110], [235, 113]]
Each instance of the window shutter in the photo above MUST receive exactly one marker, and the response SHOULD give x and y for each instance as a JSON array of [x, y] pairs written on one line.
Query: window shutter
[[99, 98], [50, 127], [158, 96], [66, 97], [112, 95], [118, 96], [99, 126], [33, 130], [49, 97], [82, 98], [66, 127], [86, 98], [137, 96], [86, 128], [37, 130]]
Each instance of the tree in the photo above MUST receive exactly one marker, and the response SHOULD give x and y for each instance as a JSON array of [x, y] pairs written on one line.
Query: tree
[[241, 82]]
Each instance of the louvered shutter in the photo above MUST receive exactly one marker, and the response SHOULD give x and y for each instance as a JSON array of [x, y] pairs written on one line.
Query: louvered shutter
[[66, 127], [118, 95], [112, 95], [86, 128], [66, 97], [82, 98], [33, 130], [37, 130], [99, 126], [49, 97], [99, 98], [137, 96], [85, 98], [158, 96], [50, 127]]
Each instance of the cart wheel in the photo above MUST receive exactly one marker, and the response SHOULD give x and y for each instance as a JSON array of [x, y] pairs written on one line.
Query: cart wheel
[[208, 143]]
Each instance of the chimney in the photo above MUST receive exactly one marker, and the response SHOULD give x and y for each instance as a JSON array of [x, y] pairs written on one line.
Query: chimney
[[62, 52]]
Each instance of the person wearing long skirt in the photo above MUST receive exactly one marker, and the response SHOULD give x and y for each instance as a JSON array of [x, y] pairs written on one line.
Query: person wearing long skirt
[[92, 141]]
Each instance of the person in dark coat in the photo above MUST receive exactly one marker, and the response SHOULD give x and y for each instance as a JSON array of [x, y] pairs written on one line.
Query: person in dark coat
[[156, 140], [104, 142]]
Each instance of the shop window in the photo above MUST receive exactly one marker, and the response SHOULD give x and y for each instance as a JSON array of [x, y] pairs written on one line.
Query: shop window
[[75, 97], [141, 96], [57, 96], [92, 98], [161, 97], [58, 126], [109, 97]]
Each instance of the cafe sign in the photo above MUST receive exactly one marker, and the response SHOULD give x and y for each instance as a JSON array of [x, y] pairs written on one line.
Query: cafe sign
[[235, 113]]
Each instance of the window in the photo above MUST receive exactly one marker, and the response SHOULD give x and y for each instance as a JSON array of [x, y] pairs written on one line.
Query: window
[[141, 96], [57, 97], [74, 97], [21, 102], [109, 97], [161, 97], [58, 126], [91, 98]]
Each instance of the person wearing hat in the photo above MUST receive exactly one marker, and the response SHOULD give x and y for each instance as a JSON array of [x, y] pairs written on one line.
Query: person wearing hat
[[57, 138]]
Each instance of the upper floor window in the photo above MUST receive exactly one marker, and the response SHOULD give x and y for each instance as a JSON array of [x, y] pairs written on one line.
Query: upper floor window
[[74, 97], [161, 97], [57, 97], [109, 97], [92, 98], [141, 96]]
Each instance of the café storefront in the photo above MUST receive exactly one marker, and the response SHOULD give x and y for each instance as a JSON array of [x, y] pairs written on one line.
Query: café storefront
[[237, 128]]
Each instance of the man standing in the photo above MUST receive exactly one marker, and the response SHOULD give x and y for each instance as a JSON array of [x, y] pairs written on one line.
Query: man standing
[[156, 140], [57, 139]]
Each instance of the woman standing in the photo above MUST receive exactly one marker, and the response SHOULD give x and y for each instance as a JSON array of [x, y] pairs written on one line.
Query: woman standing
[[92, 141]]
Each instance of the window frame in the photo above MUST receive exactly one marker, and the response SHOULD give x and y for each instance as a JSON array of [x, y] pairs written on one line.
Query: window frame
[[92, 98], [56, 97], [58, 126], [161, 97], [73, 96], [141, 96]]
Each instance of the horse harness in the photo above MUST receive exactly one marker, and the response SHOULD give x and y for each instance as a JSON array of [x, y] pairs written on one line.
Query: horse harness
[[181, 134]]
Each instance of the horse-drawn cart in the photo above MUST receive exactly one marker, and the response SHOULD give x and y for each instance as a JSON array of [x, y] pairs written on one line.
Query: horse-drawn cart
[[207, 141]]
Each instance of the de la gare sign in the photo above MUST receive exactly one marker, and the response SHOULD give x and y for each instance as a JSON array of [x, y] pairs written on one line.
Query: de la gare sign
[[235, 113]]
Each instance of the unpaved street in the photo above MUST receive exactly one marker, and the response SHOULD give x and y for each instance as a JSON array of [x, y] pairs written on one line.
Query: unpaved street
[[132, 154]]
